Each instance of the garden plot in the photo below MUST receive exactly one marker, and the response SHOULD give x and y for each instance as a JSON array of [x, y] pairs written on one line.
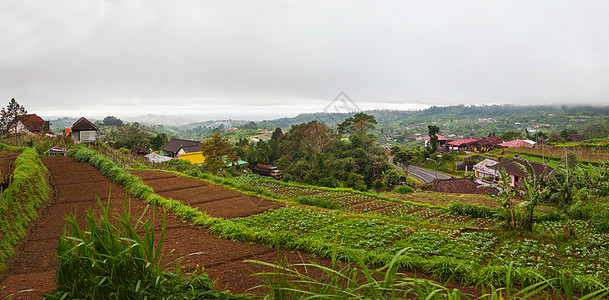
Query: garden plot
[[214, 200], [358, 203]]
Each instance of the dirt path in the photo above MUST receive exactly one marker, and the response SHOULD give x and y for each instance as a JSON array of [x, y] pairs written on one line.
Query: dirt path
[[79, 185]]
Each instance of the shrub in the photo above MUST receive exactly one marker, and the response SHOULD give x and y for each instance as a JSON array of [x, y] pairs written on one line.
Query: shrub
[[600, 223], [403, 189], [378, 185], [330, 182]]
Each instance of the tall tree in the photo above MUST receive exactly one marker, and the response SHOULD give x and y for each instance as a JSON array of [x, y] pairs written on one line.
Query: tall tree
[[360, 122], [112, 121], [433, 137], [217, 152], [9, 114], [158, 141]]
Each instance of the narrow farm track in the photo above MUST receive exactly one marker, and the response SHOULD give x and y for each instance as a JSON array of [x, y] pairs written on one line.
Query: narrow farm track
[[77, 188]]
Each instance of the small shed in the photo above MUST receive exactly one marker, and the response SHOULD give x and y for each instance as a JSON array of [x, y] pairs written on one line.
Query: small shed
[[484, 169], [83, 131]]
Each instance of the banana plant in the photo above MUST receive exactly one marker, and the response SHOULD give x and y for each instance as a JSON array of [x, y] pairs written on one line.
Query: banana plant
[[533, 194]]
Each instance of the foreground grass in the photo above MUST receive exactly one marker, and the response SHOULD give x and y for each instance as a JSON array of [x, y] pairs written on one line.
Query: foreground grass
[[109, 260]]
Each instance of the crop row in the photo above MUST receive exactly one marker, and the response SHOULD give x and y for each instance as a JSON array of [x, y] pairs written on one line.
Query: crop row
[[363, 204]]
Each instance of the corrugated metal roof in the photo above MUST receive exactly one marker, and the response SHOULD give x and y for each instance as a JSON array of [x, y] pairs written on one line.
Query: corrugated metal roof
[[485, 166]]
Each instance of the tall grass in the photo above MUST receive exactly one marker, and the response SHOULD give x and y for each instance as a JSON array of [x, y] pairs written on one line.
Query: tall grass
[[474, 211], [19, 203], [358, 281], [109, 260]]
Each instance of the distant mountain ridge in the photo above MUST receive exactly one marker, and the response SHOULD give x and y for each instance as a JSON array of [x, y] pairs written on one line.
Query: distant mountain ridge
[[154, 119]]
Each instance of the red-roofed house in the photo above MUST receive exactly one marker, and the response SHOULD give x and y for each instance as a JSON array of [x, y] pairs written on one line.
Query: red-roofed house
[[459, 145], [31, 124], [516, 143], [441, 140], [487, 144]]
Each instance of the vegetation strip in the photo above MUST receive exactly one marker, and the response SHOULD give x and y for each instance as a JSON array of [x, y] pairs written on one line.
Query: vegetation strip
[[19, 203], [470, 257]]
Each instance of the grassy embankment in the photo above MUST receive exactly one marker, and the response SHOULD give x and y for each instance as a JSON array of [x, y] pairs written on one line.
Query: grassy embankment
[[19, 203]]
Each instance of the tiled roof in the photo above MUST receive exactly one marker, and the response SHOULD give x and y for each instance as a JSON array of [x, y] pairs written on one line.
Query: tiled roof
[[460, 142], [34, 123], [512, 169], [175, 145], [491, 140], [516, 143], [440, 138], [83, 124]]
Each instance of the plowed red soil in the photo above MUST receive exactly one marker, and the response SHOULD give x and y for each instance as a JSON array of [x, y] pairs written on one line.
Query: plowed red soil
[[214, 200], [77, 188], [6, 165]]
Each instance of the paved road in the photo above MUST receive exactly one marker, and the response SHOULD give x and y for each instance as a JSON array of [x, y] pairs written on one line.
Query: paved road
[[427, 176]]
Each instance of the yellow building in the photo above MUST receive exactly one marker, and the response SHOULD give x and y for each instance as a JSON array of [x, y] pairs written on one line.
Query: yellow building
[[193, 157]]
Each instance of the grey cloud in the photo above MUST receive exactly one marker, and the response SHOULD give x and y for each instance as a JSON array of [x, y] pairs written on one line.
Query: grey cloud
[[296, 56]]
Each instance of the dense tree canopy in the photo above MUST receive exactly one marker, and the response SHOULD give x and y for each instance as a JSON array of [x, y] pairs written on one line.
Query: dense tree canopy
[[314, 153], [112, 121]]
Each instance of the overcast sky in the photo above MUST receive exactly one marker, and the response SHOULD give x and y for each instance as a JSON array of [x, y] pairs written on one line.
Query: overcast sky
[[267, 59]]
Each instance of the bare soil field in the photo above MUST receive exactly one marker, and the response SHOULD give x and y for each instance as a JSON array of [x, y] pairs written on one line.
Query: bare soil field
[[214, 200]]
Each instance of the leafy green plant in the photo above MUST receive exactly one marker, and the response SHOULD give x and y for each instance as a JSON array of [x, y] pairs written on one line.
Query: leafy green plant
[[107, 260], [403, 189]]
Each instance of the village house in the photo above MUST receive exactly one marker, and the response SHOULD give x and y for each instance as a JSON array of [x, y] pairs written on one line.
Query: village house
[[30, 124], [516, 174], [441, 140], [484, 170], [485, 145], [175, 147], [459, 145], [83, 131]]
